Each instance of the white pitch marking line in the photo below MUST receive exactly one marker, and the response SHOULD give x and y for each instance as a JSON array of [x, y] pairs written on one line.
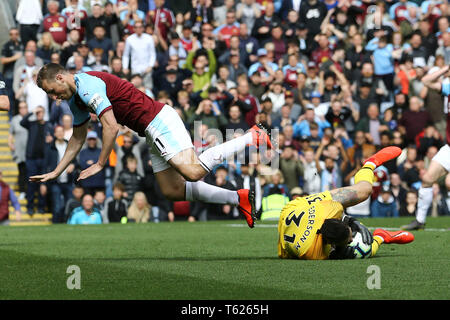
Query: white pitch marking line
[[236, 225]]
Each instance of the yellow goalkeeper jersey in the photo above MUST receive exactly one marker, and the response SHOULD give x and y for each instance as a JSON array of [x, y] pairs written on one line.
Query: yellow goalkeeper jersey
[[299, 221]]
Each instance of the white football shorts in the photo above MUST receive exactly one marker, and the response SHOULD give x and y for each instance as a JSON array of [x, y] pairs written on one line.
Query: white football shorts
[[167, 136], [443, 157]]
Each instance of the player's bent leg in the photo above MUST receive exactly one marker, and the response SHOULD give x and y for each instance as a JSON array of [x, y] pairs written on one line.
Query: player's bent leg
[[377, 241], [171, 145], [381, 236], [257, 136], [172, 184], [433, 173], [188, 165], [176, 188], [399, 237], [447, 181], [364, 178], [219, 153]]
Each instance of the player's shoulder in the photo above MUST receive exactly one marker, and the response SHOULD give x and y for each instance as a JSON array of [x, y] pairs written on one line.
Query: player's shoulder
[[90, 78]]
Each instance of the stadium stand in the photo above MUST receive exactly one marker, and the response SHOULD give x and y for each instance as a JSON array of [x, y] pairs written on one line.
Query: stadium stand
[[338, 79]]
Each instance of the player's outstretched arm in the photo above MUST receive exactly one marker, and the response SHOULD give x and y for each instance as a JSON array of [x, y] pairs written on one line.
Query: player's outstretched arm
[[73, 148], [352, 195], [109, 134]]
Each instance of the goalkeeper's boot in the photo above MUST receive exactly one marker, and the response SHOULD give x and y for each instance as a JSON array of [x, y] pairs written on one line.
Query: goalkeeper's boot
[[400, 237], [247, 206], [261, 136], [415, 225], [383, 156]]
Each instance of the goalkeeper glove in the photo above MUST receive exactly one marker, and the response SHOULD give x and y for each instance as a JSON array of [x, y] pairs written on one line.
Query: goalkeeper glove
[[357, 226], [342, 253]]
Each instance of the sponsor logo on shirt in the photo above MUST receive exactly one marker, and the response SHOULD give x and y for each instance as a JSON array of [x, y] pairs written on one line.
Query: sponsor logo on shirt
[[95, 101]]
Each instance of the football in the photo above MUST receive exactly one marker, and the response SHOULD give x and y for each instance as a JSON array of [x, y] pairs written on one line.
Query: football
[[361, 249]]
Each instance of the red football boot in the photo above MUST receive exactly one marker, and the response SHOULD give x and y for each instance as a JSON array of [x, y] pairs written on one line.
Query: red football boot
[[261, 136], [400, 237], [247, 205], [383, 156]]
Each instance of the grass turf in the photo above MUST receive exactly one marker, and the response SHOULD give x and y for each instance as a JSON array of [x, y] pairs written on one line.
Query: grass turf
[[212, 260]]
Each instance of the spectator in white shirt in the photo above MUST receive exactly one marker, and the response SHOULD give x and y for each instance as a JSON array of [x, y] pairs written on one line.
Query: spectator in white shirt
[[312, 172], [29, 16], [140, 51], [33, 95], [25, 71], [31, 45]]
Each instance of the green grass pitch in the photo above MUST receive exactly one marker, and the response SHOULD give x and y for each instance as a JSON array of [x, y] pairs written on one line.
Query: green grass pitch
[[211, 260]]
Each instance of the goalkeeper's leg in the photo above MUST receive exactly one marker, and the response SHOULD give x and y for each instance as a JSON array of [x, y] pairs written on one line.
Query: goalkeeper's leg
[[377, 241], [383, 236], [364, 178]]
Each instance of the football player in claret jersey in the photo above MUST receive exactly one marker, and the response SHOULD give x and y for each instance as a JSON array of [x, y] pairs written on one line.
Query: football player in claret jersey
[[315, 227], [177, 168], [438, 80]]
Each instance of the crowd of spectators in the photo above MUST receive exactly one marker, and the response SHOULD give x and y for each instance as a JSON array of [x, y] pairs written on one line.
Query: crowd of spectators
[[338, 79]]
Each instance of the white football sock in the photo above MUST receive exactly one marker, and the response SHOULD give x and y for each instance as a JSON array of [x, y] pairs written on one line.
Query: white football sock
[[424, 203], [201, 191], [217, 154]]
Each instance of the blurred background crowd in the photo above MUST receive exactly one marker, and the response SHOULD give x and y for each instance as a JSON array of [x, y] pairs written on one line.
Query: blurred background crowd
[[339, 79]]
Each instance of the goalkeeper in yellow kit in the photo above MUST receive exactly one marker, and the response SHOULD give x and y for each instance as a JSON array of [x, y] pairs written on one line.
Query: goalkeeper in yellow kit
[[315, 227]]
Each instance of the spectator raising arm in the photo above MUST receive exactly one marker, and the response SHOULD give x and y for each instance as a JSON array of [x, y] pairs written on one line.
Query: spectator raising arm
[[126, 58], [212, 62], [431, 80]]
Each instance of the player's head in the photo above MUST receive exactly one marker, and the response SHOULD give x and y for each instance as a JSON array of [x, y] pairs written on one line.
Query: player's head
[[335, 232], [52, 79]]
